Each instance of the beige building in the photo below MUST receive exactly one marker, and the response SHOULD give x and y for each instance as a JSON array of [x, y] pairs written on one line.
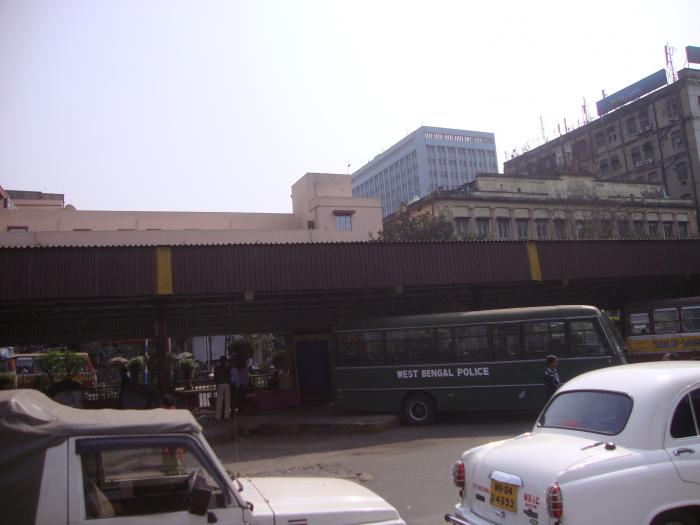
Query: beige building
[[562, 207], [323, 210], [655, 139]]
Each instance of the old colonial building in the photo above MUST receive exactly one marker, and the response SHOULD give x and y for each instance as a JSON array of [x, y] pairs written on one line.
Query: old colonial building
[[567, 206], [655, 139]]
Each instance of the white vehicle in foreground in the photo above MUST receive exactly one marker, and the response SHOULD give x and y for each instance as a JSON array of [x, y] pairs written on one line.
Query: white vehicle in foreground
[[617, 446], [62, 465]]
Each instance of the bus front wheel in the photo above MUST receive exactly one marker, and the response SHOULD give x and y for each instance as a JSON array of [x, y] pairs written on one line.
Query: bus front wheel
[[418, 409]]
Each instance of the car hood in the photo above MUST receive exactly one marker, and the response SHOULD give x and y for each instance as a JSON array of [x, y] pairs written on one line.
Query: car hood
[[533, 462], [323, 501]]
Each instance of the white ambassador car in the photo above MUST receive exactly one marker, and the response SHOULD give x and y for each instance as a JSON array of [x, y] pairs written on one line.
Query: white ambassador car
[[617, 446]]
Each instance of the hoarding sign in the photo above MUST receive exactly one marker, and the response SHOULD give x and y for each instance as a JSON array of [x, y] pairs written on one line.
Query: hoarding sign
[[628, 94], [693, 54]]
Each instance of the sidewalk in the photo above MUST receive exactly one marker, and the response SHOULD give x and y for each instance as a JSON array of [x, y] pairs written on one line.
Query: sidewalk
[[298, 420]]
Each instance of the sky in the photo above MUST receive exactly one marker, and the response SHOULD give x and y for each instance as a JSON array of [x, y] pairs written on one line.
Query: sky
[[208, 105]]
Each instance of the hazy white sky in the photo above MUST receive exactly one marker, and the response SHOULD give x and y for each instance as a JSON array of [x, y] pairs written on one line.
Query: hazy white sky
[[221, 105]]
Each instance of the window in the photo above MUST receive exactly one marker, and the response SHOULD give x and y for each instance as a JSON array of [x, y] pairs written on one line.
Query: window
[[668, 230], [639, 323], [644, 124], [133, 477], [681, 171], [636, 156], [471, 343], [17, 228], [343, 223], [462, 227], [604, 167], [421, 345], [666, 321], [671, 109], [543, 338], [648, 151], [542, 227], [623, 228], [605, 228], [310, 225], [676, 139], [682, 230], [585, 339], [482, 227], [653, 228], [560, 228], [612, 134], [614, 162], [503, 228], [691, 318], [631, 126], [638, 228], [523, 227], [685, 423], [360, 348], [600, 139], [593, 411], [580, 230], [505, 340]]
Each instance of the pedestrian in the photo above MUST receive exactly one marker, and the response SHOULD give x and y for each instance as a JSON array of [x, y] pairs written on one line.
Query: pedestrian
[[234, 384], [223, 389], [551, 376], [242, 389]]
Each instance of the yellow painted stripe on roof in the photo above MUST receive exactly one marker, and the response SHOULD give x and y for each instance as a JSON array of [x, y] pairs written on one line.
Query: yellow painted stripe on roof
[[533, 258], [164, 271]]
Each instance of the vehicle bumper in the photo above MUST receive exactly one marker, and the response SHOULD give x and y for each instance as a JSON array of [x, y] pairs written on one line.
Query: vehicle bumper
[[460, 517]]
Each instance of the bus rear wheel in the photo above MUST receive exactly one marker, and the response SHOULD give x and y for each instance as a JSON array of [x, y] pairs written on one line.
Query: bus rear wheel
[[418, 409]]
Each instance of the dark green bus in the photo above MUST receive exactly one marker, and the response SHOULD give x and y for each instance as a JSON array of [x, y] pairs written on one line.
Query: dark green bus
[[484, 360]]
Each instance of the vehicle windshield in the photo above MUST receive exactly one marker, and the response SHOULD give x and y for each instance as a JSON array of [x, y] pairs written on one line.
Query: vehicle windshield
[[591, 411]]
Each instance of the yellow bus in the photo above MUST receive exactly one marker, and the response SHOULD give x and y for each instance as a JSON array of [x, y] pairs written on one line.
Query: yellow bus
[[667, 326]]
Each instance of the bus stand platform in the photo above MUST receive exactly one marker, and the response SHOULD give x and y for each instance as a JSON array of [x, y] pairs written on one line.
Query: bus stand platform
[[319, 419]]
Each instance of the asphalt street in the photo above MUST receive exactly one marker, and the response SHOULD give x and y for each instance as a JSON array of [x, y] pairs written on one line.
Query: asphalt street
[[409, 466]]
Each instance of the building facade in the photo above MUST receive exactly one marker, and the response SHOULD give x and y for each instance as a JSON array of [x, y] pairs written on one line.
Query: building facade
[[655, 139], [427, 159], [562, 207], [323, 210]]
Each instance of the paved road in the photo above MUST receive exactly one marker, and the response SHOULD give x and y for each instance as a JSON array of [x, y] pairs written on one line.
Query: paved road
[[409, 467]]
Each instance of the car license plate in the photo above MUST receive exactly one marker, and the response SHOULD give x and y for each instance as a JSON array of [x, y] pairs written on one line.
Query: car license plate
[[504, 495]]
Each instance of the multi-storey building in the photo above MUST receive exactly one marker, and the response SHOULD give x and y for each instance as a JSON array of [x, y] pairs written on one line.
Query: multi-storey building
[[654, 139], [561, 207], [426, 160], [322, 203]]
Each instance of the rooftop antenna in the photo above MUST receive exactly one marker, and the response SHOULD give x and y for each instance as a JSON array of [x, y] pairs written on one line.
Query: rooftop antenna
[[584, 109], [544, 137], [670, 71]]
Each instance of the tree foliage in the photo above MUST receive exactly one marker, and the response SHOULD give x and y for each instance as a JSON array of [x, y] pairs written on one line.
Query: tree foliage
[[57, 363], [423, 227]]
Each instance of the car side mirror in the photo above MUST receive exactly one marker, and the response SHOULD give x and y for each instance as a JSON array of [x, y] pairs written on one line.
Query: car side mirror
[[199, 502]]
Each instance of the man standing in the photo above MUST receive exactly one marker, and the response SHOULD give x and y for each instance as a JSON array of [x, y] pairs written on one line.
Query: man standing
[[551, 377], [223, 389], [234, 384]]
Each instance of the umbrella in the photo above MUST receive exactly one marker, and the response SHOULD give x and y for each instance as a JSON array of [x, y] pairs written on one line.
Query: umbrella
[[117, 361]]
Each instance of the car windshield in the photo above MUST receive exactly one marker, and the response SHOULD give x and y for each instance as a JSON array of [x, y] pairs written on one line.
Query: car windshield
[[592, 411]]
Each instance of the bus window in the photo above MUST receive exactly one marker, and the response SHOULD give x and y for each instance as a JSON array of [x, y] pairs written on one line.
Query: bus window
[[666, 321], [543, 338], [691, 318], [472, 343], [505, 340], [361, 348], [421, 345], [446, 352], [639, 323], [396, 347], [585, 339]]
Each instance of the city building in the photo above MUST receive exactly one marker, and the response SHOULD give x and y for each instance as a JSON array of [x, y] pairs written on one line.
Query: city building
[[653, 139], [426, 160], [567, 206], [323, 210]]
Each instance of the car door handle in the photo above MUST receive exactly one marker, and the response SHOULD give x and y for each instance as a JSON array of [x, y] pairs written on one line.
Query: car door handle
[[680, 451]]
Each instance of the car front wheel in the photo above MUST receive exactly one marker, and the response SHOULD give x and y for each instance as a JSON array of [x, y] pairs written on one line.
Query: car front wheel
[[418, 409]]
